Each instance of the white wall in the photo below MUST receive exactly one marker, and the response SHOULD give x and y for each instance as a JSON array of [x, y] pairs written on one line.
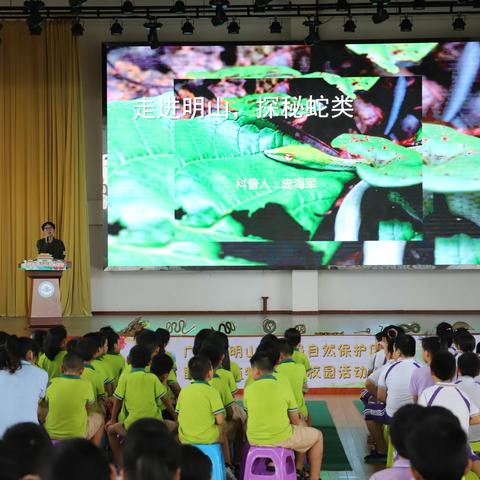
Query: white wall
[[241, 290]]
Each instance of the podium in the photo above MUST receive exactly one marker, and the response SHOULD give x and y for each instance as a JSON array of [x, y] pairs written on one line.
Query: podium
[[44, 307]]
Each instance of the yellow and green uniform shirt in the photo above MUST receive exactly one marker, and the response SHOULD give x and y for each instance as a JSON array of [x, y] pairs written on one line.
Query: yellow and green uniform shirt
[[236, 372], [141, 393], [297, 376], [52, 367], [300, 357], [222, 388], [67, 397], [116, 362], [197, 405], [227, 377], [103, 368], [267, 402], [96, 380]]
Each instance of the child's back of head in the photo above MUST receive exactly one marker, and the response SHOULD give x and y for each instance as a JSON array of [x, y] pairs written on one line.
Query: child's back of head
[[200, 337], [139, 356], [437, 447], [199, 367], [8, 467], [443, 366], [406, 345], [28, 444], [403, 421], [445, 333], [195, 464], [27, 345], [469, 364], [72, 363], [54, 341], [150, 452], [76, 459], [213, 351], [161, 365], [149, 339], [286, 348], [293, 337], [466, 342], [86, 347], [112, 338], [163, 336]]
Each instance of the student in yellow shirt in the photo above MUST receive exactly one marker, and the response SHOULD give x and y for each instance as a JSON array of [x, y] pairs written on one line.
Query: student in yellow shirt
[[113, 358], [234, 425], [273, 417], [163, 336], [294, 338], [53, 351], [141, 393], [227, 363], [86, 348], [70, 402], [161, 367], [200, 408], [98, 364], [296, 374]]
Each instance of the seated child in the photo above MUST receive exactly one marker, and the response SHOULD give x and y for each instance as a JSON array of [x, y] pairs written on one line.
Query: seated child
[[28, 445], [394, 390], [421, 377], [469, 368], [195, 464], [444, 331], [437, 448], [141, 393], [234, 425], [98, 364], [113, 358], [446, 394], [150, 452], [296, 374], [70, 404], [86, 348], [294, 338], [402, 423], [163, 336], [273, 418], [53, 351], [377, 357], [227, 363], [80, 459], [162, 365], [464, 341]]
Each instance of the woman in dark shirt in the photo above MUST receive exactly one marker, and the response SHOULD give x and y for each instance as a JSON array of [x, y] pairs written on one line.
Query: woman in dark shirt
[[50, 244]]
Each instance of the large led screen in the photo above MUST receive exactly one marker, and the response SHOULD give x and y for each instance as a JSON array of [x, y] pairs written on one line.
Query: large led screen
[[292, 156]]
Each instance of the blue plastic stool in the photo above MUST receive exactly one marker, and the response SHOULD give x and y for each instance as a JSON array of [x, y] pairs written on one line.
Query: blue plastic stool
[[257, 458], [214, 452]]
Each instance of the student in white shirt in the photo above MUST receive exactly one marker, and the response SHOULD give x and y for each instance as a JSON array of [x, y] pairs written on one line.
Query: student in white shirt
[[445, 332], [22, 384], [468, 369], [446, 394], [394, 390]]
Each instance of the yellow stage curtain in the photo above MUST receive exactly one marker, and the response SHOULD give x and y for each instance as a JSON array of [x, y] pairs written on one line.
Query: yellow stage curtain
[[42, 161]]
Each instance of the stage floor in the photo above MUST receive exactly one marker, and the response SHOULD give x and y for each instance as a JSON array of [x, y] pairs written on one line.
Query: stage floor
[[248, 324]]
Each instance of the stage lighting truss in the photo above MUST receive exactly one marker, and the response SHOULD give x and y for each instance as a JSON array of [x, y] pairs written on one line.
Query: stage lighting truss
[[219, 12]]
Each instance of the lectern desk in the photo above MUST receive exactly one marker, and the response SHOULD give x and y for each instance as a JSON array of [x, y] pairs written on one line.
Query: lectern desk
[[44, 308]]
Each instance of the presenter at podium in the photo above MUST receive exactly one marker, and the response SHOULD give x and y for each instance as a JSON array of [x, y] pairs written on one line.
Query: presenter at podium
[[50, 244]]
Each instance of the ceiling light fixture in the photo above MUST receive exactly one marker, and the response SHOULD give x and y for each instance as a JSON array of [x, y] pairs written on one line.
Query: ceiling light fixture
[[233, 27], [128, 7], [458, 23], [152, 25], [313, 36], [179, 7], [77, 28], [275, 26], [349, 26], [116, 28], [187, 27], [380, 15], [406, 25]]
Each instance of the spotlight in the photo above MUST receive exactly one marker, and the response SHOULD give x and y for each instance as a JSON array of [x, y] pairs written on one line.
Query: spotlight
[[128, 7], [178, 7], [77, 29], [419, 4], [349, 25], [275, 26], [35, 29], [233, 27], [381, 14], [187, 27], [313, 37], [458, 23], [34, 19], [406, 25], [220, 16], [116, 28], [76, 5], [152, 25], [342, 5]]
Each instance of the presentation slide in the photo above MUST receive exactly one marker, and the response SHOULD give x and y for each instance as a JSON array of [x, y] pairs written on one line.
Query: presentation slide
[[292, 156]]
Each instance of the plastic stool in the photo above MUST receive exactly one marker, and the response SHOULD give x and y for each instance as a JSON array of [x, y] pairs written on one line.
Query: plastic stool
[[256, 462], [214, 452]]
